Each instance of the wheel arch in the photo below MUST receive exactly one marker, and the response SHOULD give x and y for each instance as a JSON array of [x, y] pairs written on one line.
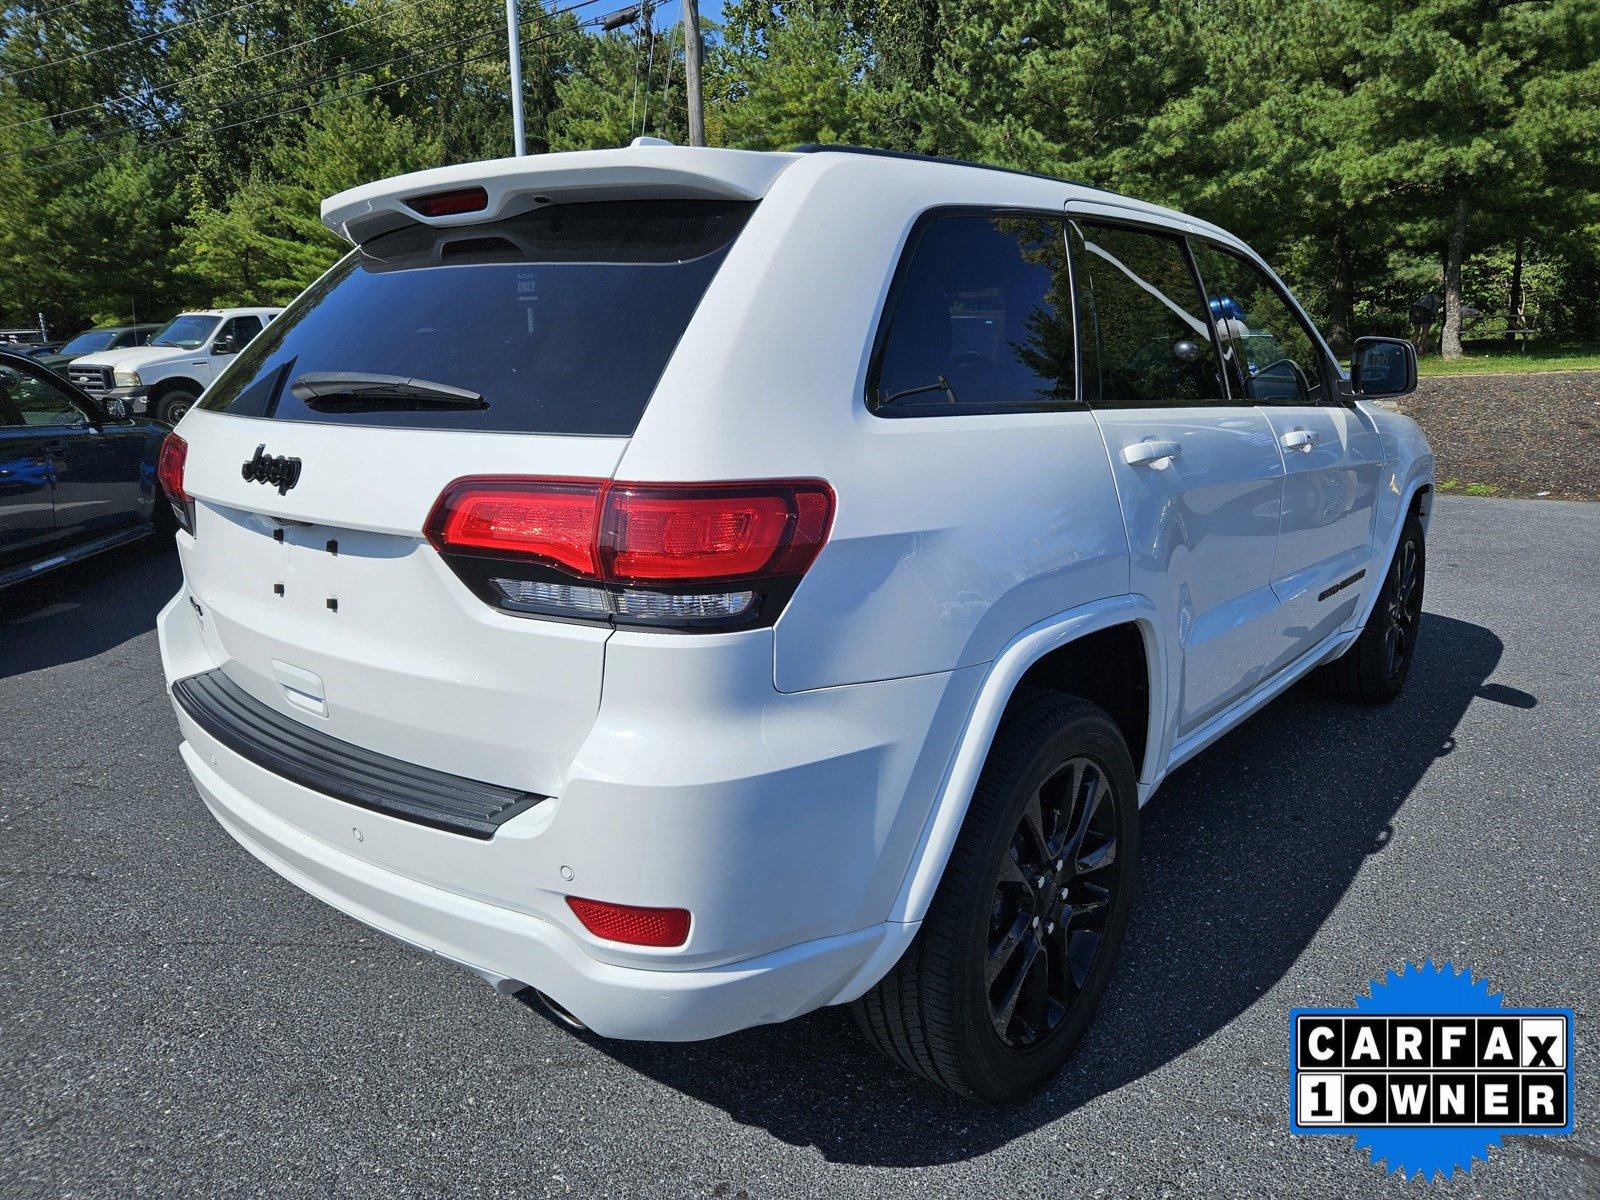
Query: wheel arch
[[1051, 646], [161, 388]]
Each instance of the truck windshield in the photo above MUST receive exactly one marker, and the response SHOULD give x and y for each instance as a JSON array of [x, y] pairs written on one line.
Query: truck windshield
[[88, 343], [560, 320], [188, 332]]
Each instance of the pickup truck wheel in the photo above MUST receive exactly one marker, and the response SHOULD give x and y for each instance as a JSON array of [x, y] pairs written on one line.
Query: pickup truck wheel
[[173, 405], [1374, 669], [1014, 954]]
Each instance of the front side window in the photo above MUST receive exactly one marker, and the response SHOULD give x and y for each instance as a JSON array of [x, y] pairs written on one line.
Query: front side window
[[28, 400], [980, 319], [1147, 343], [188, 332], [241, 330], [560, 321], [1272, 356]]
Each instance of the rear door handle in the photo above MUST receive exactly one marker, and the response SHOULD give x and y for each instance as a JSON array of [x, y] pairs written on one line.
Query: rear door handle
[[1156, 453], [1299, 439]]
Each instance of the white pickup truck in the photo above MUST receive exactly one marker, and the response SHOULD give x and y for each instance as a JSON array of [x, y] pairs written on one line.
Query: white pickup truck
[[166, 377]]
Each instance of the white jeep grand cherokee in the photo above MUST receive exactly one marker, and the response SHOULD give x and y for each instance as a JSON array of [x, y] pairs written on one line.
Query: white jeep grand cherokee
[[164, 378], [699, 586]]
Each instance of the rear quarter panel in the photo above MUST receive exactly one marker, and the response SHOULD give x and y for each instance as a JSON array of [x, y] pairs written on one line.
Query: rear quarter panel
[[951, 533]]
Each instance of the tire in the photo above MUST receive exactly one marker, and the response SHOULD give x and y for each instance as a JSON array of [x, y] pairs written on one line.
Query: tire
[[172, 406], [938, 1012], [1374, 670]]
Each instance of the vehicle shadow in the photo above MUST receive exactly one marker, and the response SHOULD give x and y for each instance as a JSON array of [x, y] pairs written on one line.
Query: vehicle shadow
[[85, 609], [1246, 852]]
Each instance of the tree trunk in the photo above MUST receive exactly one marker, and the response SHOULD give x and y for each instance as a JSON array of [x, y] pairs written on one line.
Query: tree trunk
[[1341, 290], [1514, 305], [1450, 341]]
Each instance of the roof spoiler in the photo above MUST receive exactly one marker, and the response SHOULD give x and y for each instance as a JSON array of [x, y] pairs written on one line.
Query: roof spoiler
[[649, 167]]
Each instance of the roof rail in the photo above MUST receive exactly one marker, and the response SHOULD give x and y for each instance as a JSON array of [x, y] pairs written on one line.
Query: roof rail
[[877, 152]]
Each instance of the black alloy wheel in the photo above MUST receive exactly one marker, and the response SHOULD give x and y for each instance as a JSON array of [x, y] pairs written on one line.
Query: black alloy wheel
[[1051, 903], [1402, 602]]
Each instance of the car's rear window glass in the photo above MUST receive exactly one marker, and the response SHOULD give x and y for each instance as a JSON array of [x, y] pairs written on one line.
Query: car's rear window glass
[[561, 320]]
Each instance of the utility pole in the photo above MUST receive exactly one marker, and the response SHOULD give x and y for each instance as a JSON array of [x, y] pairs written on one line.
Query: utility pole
[[519, 137], [691, 72]]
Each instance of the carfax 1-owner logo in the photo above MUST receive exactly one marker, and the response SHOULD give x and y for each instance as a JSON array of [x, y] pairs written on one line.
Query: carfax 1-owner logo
[[1430, 1070]]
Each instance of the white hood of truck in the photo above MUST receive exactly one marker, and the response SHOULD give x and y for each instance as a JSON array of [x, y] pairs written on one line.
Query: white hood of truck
[[136, 356]]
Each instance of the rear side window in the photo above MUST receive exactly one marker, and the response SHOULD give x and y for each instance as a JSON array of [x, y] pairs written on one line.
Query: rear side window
[[558, 321], [1271, 354], [980, 319], [1147, 342]]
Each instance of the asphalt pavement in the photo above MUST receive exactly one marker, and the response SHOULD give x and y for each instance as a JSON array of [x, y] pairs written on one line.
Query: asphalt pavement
[[176, 1020]]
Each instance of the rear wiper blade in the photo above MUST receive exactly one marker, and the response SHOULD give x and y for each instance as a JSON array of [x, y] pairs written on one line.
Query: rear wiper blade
[[345, 390], [938, 385]]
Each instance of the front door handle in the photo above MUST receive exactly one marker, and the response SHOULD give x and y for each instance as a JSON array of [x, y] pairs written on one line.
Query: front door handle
[[1299, 439], [1157, 454]]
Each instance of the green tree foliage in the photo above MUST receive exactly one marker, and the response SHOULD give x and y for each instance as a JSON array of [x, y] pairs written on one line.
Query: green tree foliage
[[154, 156]]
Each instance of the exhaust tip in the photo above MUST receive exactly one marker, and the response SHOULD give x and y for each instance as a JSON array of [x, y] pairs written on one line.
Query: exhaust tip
[[536, 999]]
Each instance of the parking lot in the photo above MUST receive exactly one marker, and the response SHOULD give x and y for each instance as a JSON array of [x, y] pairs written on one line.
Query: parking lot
[[174, 1019]]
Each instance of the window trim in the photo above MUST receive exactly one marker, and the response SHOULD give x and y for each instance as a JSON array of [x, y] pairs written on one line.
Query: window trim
[[892, 299], [1326, 370], [1181, 236]]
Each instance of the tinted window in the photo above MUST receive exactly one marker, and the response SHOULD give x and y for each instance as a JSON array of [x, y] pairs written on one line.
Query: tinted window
[[88, 343], [1271, 355], [981, 319], [562, 320], [242, 330], [30, 400], [1147, 343], [187, 332]]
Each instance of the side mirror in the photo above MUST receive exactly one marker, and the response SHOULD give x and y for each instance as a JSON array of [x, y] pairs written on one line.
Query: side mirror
[[117, 409], [1186, 351], [225, 345], [1383, 366]]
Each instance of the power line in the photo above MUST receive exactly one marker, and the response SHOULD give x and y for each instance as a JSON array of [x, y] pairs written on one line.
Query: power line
[[214, 129], [99, 50], [294, 86], [40, 15], [396, 6]]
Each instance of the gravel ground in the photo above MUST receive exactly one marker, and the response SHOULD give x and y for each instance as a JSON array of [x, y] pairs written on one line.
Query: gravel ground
[[1518, 435], [176, 1020]]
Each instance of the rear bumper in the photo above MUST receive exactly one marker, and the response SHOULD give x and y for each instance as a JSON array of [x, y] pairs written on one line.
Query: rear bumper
[[784, 823], [503, 945]]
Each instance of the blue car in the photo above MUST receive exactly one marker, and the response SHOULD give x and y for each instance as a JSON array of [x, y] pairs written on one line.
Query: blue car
[[75, 477]]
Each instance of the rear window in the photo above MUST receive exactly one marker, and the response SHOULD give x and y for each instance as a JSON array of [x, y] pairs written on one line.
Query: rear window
[[559, 321]]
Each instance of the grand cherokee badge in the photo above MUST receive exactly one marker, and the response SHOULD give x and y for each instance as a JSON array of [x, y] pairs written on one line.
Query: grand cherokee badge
[[282, 473]]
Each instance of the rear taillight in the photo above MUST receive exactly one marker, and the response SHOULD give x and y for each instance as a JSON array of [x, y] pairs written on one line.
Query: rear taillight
[[715, 554], [632, 924], [169, 473]]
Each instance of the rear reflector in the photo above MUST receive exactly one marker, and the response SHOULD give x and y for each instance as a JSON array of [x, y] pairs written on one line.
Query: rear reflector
[[447, 204], [630, 924], [670, 534]]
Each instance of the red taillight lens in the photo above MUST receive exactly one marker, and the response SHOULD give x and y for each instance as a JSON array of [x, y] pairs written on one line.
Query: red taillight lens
[[639, 533], [169, 468], [677, 534], [448, 204], [631, 924], [549, 519]]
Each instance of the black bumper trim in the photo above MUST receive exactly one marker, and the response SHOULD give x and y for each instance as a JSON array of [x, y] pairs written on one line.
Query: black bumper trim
[[345, 772]]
